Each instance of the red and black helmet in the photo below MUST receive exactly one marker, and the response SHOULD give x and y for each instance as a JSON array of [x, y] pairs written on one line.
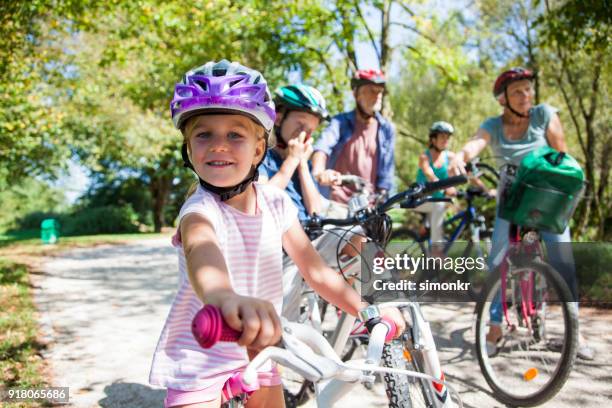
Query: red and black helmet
[[507, 77], [368, 76]]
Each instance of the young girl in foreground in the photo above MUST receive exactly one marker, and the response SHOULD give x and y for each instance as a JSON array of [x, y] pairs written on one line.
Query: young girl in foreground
[[231, 234]]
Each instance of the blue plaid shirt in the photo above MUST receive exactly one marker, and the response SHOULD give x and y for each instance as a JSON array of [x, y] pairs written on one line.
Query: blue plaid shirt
[[340, 130]]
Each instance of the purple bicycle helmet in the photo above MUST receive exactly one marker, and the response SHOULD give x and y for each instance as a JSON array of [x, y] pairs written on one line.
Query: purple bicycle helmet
[[224, 87]]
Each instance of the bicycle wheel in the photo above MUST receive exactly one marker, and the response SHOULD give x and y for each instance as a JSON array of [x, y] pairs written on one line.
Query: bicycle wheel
[[488, 175], [416, 243], [407, 241], [537, 352], [474, 250], [403, 391]]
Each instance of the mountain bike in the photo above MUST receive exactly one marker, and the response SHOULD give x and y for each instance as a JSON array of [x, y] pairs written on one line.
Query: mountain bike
[[470, 234], [416, 348]]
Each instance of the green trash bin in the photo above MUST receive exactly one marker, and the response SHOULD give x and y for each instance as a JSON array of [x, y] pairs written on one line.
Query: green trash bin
[[49, 231]]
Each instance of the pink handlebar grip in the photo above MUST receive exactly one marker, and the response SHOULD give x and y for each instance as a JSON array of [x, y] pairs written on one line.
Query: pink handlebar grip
[[208, 327], [392, 328]]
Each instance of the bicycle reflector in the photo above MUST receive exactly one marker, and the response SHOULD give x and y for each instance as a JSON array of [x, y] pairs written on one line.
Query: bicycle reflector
[[530, 374]]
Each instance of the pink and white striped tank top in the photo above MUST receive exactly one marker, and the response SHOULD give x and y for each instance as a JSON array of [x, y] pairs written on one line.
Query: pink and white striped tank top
[[252, 248]]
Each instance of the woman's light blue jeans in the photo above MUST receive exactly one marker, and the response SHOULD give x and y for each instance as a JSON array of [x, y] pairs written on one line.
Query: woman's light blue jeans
[[560, 257]]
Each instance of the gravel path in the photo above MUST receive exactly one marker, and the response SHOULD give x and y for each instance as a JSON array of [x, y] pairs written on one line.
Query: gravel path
[[103, 308]]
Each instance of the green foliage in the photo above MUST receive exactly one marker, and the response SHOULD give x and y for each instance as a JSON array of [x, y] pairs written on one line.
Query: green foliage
[[28, 196], [100, 220], [579, 25], [117, 191], [33, 220], [593, 261], [31, 118], [85, 221]]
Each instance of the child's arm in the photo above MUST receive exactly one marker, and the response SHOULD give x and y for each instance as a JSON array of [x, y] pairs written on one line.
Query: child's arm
[[297, 150], [310, 193], [282, 178], [209, 279], [426, 168], [324, 280]]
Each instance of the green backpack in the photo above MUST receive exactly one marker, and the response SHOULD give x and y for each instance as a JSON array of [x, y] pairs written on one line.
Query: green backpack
[[545, 192]]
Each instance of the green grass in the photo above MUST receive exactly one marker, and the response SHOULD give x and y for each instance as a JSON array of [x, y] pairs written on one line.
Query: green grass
[[31, 239], [21, 364]]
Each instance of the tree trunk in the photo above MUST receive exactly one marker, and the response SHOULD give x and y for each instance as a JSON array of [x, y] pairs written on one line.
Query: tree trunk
[[160, 186]]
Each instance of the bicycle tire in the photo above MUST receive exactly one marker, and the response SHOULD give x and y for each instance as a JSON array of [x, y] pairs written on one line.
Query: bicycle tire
[[568, 347], [485, 238], [403, 391], [417, 244], [490, 174]]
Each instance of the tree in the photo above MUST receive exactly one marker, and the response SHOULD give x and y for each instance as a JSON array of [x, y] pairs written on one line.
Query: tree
[[131, 59], [577, 36], [31, 121]]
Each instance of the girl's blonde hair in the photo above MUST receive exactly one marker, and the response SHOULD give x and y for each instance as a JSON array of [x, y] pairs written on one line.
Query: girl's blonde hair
[[191, 124]]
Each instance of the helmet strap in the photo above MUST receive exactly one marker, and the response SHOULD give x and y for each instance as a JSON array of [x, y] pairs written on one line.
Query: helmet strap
[[225, 193], [520, 115]]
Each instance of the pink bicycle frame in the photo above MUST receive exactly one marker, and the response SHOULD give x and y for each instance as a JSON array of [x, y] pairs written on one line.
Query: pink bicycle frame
[[528, 308]]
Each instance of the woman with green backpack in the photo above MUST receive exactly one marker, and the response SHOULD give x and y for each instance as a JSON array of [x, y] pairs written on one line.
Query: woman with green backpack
[[520, 131]]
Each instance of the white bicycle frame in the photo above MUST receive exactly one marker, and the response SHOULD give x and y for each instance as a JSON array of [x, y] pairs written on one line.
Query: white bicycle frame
[[420, 334], [332, 385], [308, 353]]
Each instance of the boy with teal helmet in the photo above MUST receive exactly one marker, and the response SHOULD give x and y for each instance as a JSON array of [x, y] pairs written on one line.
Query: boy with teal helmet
[[300, 109]]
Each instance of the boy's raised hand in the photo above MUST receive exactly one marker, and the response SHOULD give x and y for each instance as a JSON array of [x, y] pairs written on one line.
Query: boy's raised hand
[[300, 147]]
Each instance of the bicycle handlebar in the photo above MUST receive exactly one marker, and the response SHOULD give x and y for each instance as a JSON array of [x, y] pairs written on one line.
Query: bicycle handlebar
[[444, 184], [209, 327], [307, 352], [414, 192]]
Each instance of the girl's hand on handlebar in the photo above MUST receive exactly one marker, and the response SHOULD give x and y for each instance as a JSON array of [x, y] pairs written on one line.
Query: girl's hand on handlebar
[[394, 314], [328, 178], [255, 318]]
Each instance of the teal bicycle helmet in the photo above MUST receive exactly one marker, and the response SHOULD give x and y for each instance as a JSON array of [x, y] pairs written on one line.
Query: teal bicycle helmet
[[301, 98]]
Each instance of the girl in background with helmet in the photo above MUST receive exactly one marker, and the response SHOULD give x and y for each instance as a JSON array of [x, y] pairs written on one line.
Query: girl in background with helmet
[[433, 166], [520, 129], [231, 234]]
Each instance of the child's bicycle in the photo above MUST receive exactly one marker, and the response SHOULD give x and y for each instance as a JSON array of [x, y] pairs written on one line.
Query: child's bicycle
[[416, 348], [304, 350]]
